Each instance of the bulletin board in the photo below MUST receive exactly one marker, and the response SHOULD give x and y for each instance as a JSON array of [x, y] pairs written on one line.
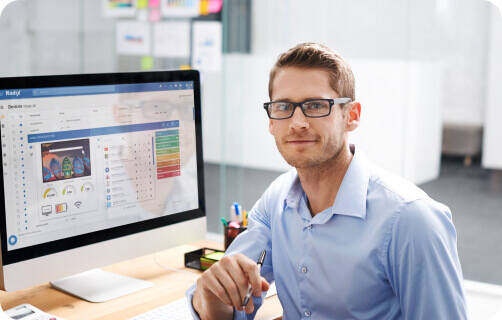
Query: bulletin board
[[186, 30]]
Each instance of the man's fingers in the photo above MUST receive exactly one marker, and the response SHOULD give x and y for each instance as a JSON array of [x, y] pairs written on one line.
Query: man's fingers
[[218, 290], [231, 287], [229, 280], [249, 308], [251, 269], [240, 278]]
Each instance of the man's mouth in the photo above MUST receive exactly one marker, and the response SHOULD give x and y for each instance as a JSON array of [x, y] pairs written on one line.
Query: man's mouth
[[300, 142]]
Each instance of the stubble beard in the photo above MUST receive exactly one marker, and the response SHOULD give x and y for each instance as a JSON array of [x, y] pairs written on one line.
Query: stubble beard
[[328, 155]]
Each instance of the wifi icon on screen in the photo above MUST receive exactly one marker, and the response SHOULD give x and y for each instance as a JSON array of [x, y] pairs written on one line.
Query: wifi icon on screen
[[78, 204]]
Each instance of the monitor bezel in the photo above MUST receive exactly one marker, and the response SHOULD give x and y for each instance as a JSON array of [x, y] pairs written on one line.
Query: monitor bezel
[[70, 80]]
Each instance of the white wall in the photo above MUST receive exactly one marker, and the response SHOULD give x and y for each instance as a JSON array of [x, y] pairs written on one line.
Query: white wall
[[398, 80], [16, 51], [463, 48], [492, 145], [399, 130]]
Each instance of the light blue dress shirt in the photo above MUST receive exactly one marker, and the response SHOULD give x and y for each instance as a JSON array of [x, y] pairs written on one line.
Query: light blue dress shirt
[[384, 250]]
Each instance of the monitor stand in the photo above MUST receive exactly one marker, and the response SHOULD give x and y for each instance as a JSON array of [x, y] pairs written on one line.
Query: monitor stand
[[99, 286]]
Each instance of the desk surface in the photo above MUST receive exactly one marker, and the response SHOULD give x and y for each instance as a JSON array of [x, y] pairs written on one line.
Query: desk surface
[[168, 286]]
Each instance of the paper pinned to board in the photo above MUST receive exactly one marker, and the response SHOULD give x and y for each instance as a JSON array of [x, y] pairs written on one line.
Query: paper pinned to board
[[206, 46], [133, 38], [171, 39], [180, 8], [119, 8], [154, 14]]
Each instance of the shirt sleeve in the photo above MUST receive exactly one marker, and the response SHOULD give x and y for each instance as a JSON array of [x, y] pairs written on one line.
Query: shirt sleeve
[[250, 243], [423, 265]]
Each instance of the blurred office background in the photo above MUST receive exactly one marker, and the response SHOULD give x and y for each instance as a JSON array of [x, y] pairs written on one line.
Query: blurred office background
[[428, 75]]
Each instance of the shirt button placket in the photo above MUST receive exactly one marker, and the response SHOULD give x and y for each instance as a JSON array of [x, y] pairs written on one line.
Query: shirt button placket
[[302, 268]]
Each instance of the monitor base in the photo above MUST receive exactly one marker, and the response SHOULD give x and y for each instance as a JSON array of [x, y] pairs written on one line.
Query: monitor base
[[99, 286]]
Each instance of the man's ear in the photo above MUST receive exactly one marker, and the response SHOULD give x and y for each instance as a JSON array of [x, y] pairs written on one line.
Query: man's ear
[[354, 116], [271, 126]]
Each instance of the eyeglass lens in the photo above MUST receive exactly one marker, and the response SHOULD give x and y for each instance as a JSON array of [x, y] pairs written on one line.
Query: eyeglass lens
[[313, 108]]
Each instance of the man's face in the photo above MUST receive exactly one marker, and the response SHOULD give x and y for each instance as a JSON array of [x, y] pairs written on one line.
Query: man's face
[[307, 142]]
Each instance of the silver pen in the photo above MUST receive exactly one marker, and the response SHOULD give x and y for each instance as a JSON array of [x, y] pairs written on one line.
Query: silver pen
[[250, 290]]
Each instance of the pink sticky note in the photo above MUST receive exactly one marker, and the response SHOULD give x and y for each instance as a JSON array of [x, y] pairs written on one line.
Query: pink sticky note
[[154, 3], [154, 15], [215, 6]]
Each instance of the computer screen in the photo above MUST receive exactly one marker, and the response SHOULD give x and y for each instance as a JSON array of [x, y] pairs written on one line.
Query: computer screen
[[88, 158]]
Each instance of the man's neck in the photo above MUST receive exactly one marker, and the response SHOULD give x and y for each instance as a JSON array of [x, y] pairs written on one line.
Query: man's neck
[[321, 184]]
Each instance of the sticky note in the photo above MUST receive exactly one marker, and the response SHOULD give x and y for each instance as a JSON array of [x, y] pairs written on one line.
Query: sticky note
[[215, 6], [154, 15], [204, 7], [147, 63], [141, 4], [154, 3], [215, 255]]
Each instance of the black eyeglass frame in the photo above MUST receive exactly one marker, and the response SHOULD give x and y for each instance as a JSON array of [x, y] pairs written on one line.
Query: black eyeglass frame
[[332, 102]]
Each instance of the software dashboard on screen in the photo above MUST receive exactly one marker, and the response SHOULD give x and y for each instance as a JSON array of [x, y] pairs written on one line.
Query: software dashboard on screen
[[82, 159]]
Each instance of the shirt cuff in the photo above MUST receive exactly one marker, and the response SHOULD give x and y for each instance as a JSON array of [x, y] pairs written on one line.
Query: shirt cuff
[[238, 315], [189, 294], [257, 302]]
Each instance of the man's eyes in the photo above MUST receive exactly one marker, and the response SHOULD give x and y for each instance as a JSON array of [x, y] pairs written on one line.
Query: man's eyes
[[314, 105], [282, 106]]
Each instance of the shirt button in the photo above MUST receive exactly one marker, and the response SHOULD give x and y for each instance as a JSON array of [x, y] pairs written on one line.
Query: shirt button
[[307, 313], [309, 227], [304, 270]]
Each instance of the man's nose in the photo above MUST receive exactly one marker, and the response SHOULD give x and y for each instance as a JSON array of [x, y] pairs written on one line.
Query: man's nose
[[299, 120]]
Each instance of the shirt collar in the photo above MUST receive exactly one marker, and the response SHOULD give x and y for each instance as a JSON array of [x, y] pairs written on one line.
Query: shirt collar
[[351, 197], [295, 193]]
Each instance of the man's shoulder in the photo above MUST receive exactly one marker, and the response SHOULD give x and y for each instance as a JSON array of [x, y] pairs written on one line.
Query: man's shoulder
[[386, 182], [413, 210]]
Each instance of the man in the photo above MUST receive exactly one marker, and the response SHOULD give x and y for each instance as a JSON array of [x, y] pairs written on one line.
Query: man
[[344, 240]]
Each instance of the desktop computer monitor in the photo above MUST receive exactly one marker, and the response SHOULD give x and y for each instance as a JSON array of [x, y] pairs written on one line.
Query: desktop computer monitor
[[96, 169]]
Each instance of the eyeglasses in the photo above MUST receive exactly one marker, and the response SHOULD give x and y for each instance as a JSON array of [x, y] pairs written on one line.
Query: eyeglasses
[[317, 108]]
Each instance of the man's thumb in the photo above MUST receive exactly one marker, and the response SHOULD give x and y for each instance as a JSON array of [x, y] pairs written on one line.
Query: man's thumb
[[264, 285]]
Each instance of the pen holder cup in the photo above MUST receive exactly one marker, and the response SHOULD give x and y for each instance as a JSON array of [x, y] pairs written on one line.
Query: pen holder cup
[[231, 233]]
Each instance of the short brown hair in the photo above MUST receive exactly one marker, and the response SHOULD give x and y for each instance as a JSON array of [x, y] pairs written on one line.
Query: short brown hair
[[318, 56]]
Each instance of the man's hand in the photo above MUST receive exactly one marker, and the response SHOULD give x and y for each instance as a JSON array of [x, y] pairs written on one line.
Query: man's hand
[[225, 284]]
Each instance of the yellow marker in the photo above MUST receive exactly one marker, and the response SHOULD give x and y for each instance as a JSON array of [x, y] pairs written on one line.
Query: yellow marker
[[244, 218]]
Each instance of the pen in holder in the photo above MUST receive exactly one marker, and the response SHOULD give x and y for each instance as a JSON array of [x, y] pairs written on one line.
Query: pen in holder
[[231, 233]]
